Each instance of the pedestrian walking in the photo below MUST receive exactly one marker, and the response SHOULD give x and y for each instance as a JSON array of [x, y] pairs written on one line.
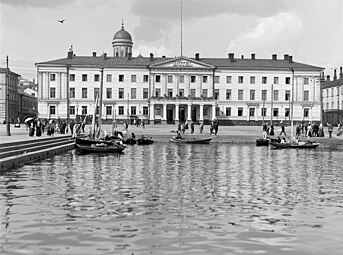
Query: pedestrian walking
[[201, 128], [192, 127], [282, 129], [330, 129]]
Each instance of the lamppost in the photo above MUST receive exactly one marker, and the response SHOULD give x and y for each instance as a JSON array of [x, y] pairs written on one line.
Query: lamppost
[[8, 127]]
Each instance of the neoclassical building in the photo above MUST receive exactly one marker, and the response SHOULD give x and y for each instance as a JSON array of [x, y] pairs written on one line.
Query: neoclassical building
[[234, 90]]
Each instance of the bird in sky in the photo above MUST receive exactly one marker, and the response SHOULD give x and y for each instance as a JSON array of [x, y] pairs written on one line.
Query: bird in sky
[[61, 21]]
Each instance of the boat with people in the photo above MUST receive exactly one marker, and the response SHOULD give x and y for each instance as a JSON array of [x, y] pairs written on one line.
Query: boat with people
[[145, 140], [294, 145], [100, 147], [263, 141], [191, 140]]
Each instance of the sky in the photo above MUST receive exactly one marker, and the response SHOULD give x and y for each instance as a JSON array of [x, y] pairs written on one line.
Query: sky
[[309, 30]]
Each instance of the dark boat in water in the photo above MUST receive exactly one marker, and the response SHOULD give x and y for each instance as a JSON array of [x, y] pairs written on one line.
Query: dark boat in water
[[295, 145], [144, 141], [130, 141], [100, 148], [262, 141], [193, 140]]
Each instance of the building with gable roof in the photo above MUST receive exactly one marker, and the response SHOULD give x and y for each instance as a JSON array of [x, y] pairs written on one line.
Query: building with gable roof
[[236, 91]]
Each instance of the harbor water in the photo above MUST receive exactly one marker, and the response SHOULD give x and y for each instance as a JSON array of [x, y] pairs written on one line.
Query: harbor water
[[176, 199]]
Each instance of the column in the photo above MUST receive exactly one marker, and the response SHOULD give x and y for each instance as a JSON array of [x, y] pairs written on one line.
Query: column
[[189, 112], [164, 116], [201, 118], [248, 113], [176, 112], [152, 112], [213, 111]]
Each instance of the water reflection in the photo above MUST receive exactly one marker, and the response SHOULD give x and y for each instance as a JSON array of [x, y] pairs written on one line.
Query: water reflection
[[173, 199]]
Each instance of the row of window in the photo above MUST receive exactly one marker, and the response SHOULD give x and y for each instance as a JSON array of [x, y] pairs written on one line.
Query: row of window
[[133, 94], [332, 92], [240, 112], [170, 78]]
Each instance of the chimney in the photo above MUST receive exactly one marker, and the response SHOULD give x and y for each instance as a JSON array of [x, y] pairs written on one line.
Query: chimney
[[231, 56], [253, 56], [274, 57], [94, 54], [340, 73], [285, 57], [197, 55], [105, 55], [328, 78], [151, 57], [290, 59], [70, 54], [334, 75], [242, 57], [163, 56], [129, 55]]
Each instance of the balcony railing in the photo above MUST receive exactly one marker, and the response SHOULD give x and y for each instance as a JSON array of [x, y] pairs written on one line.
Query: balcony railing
[[189, 98]]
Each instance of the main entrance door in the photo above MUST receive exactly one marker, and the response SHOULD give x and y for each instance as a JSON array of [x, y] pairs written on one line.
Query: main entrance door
[[194, 114], [182, 114], [170, 119]]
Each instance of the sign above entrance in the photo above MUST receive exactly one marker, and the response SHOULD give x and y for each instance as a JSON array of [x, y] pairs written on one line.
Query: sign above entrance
[[183, 63]]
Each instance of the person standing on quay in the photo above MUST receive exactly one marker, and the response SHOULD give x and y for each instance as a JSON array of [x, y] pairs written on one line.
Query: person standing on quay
[[330, 129], [282, 129], [192, 127]]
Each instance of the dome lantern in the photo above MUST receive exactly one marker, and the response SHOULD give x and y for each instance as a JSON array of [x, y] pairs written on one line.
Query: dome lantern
[[122, 43]]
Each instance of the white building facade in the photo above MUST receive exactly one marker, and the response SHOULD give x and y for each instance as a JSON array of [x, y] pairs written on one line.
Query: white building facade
[[236, 91]]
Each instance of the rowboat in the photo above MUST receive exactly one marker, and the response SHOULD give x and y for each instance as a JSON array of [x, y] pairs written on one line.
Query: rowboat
[[295, 145], [193, 140], [144, 141], [103, 148], [262, 141]]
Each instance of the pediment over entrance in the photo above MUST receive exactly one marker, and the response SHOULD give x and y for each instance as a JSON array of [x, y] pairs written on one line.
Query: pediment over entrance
[[182, 63]]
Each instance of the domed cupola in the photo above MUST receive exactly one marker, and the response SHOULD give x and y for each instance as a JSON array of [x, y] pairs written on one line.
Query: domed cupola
[[122, 43]]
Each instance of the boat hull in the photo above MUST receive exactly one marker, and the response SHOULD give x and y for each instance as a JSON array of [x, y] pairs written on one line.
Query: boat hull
[[144, 141], [191, 140], [262, 142], [294, 145], [99, 149]]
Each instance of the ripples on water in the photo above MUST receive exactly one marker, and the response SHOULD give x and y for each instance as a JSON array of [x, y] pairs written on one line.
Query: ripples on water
[[176, 199]]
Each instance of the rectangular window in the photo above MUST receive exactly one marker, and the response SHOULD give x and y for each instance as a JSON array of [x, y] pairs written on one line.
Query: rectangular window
[[276, 112], [306, 95], [108, 110], [133, 110], [52, 92], [121, 93], [96, 92], [109, 78], [170, 78], [145, 93], [52, 77], [306, 81], [276, 95], [84, 110], [192, 92], [72, 110], [228, 94], [264, 80], [133, 78], [84, 77], [288, 80], [182, 79], [205, 79], [240, 111], [145, 110], [52, 110], [158, 78], [121, 110], [264, 94], [121, 77], [252, 94], [170, 92], [72, 93], [193, 78], [251, 112], [204, 93], [276, 80], [287, 112], [228, 79], [158, 92], [240, 94], [216, 79], [182, 92], [287, 95], [84, 92], [72, 77], [96, 77], [145, 78], [133, 93], [252, 79], [228, 111], [216, 94], [306, 112], [263, 112], [240, 79], [108, 92]]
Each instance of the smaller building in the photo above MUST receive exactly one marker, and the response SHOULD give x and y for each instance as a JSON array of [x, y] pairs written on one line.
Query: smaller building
[[332, 98]]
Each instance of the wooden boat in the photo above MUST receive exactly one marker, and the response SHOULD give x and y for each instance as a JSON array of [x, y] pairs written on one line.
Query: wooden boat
[[88, 141], [193, 140], [295, 145], [130, 141], [100, 147], [262, 141], [144, 141]]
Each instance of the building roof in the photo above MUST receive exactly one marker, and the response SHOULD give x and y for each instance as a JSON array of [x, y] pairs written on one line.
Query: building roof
[[3, 70], [221, 63]]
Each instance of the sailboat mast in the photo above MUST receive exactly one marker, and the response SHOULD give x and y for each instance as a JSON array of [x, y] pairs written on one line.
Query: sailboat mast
[[292, 102], [100, 96]]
